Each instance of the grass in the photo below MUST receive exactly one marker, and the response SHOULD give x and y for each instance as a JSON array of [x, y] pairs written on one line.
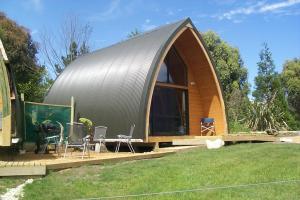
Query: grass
[[231, 165], [6, 183]]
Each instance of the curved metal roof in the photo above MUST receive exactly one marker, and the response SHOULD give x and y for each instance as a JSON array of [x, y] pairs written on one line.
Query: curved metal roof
[[110, 86]]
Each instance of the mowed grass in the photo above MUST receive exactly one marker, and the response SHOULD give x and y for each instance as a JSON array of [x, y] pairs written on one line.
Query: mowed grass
[[198, 168], [11, 182]]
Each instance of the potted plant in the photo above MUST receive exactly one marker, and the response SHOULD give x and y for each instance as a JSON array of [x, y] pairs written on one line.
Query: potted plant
[[88, 124]]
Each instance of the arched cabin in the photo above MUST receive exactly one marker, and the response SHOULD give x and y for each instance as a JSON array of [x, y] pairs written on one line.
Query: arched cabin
[[163, 81]]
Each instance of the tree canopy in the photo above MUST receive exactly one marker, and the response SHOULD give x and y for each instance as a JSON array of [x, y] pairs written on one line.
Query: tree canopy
[[269, 93], [291, 78], [30, 77], [267, 77], [62, 47], [233, 75]]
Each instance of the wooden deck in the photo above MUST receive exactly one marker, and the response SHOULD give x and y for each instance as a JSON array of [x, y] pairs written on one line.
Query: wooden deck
[[20, 168], [250, 137], [37, 164], [200, 140]]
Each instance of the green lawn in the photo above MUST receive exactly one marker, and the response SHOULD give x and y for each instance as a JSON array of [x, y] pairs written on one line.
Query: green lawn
[[12, 182], [199, 168]]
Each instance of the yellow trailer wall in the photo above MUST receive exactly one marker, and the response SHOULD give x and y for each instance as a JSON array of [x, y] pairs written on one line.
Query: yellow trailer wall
[[5, 107]]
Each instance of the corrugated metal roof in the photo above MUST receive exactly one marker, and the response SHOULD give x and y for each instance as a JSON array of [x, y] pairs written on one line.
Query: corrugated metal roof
[[110, 85]]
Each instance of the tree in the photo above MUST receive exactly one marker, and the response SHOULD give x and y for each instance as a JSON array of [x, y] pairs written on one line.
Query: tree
[[134, 33], [233, 75], [291, 78], [230, 67], [266, 77], [31, 78], [71, 42], [270, 90]]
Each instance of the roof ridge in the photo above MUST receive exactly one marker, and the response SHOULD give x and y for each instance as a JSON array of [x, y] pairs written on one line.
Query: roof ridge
[[140, 35]]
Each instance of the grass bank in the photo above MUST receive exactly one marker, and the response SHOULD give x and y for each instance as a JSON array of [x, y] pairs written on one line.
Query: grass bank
[[231, 165]]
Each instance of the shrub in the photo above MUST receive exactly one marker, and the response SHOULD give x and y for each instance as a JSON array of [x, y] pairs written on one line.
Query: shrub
[[88, 124]]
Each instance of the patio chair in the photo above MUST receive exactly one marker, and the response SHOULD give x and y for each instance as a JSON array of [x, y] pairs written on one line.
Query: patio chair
[[55, 140], [99, 136], [126, 139], [77, 138], [208, 125]]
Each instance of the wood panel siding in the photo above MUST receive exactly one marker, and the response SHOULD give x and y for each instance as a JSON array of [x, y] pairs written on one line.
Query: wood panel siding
[[205, 97], [195, 105], [204, 91], [164, 54]]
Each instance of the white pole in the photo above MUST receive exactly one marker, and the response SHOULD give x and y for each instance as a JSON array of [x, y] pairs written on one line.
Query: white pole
[[72, 110]]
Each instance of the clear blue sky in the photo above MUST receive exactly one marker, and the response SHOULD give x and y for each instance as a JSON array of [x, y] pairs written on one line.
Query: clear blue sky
[[245, 24]]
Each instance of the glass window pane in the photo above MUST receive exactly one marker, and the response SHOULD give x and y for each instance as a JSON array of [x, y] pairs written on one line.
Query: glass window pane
[[173, 69], [168, 112], [176, 68], [163, 74]]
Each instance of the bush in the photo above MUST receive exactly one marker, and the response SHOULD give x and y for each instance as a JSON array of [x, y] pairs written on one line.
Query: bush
[[266, 115], [236, 127], [88, 124]]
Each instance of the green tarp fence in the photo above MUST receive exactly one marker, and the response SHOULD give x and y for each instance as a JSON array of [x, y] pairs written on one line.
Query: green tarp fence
[[37, 113]]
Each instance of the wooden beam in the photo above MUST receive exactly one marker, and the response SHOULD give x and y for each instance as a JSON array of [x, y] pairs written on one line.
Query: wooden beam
[[167, 138], [249, 137], [13, 170], [168, 85], [47, 104], [71, 164]]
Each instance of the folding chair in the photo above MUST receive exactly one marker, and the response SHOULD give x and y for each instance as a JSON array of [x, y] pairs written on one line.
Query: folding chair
[[77, 138], [126, 139], [99, 136], [208, 125]]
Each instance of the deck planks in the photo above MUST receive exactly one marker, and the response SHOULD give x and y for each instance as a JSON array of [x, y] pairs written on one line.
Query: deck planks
[[21, 168]]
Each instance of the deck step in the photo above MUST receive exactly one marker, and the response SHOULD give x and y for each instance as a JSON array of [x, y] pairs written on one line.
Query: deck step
[[194, 141], [22, 169], [201, 140]]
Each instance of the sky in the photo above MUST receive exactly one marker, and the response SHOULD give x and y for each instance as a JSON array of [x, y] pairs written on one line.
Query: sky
[[244, 24]]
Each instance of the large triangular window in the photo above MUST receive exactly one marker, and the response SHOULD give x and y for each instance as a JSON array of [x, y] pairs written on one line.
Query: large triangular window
[[173, 69], [169, 106]]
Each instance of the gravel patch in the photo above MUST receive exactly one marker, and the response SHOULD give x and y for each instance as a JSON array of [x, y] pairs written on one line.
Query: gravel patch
[[15, 193]]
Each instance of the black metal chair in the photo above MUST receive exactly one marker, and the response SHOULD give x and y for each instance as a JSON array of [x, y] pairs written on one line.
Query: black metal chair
[[55, 140]]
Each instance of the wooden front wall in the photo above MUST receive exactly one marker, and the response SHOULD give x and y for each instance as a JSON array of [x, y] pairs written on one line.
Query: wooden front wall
[[205, 98]]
